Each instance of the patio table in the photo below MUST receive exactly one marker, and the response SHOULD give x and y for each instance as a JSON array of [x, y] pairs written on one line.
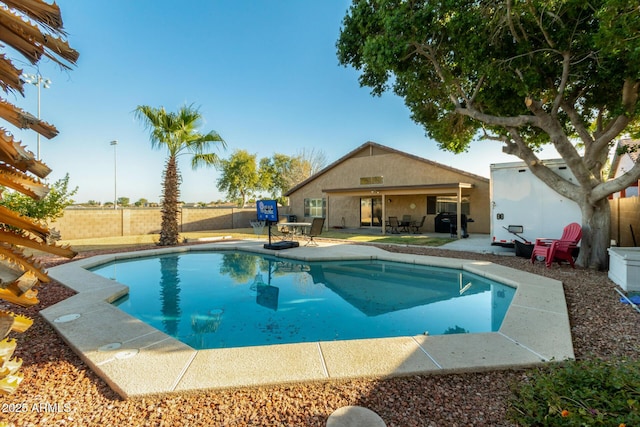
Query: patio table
[[297, 228]]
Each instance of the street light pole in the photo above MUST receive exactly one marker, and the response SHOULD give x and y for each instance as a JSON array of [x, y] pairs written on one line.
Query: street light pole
[[115, 174], [37, 80]]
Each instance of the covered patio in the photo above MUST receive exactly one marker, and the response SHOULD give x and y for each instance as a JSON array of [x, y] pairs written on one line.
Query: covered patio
[[374, 182], [387, 195]]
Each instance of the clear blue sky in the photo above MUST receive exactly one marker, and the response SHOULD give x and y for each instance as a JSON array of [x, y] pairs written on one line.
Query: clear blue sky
[[264, 74]]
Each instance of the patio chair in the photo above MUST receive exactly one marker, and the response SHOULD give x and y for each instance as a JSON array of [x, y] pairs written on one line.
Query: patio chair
[[282, 232], [394, 224], [315, 231], [416, 226], [405, 223], [558, 249]]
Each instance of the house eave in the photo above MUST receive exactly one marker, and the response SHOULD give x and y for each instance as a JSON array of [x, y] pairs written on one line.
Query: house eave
[[400, 190]]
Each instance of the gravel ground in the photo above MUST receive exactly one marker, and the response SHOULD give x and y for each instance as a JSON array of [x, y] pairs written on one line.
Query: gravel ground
[[59, 389]]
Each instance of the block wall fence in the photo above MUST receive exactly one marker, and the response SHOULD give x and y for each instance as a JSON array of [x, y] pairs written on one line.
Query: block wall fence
[[625, 221], [89, 223]]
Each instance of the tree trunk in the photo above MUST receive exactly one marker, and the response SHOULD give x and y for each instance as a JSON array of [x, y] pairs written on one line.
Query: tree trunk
[[169, 229], [596, 235]]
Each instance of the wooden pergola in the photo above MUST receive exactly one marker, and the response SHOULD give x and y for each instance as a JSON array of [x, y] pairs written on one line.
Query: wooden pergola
[[33, 29]]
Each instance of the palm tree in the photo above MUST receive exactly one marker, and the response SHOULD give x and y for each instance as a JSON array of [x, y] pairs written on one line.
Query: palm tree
[[179, 133]]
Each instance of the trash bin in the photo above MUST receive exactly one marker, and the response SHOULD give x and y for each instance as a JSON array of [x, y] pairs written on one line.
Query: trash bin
[[523, 250], [292, 218]]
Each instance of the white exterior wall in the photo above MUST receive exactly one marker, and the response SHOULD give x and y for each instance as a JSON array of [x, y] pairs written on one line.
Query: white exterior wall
[[520, 198]]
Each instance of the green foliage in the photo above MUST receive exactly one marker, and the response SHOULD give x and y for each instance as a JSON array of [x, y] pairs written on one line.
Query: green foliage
[[239, 176], [443, 57], [179, 134], [241, 179], [280, 173], [587, 393], [49, 208], [525, 73]]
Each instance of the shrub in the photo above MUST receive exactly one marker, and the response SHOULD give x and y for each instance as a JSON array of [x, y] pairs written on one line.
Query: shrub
[[586, 393], [50, 208]]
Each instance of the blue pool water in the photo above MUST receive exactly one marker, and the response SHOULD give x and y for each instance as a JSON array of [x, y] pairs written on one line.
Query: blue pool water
[[238, 299]]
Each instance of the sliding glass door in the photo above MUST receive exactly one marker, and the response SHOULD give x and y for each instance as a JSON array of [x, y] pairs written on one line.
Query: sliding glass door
[[371, 212]]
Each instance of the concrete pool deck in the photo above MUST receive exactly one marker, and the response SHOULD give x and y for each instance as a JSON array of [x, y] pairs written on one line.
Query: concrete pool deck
[[136, 359]]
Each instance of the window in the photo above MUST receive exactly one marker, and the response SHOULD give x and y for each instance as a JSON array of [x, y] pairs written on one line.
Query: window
[[368, 180], [431, 205], [315, 208], [436, 204]]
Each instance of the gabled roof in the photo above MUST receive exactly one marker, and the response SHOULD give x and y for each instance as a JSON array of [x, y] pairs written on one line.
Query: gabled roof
[[369, 145], [626, 147]]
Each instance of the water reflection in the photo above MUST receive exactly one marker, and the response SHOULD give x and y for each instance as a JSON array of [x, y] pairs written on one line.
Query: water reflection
[[266, 295], [455, 330], [379, 288], [207, 323], [170, 293], [240, 266], [283, 300]]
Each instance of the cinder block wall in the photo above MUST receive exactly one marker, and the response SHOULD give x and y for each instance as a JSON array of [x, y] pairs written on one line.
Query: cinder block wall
[[91, 222], [625, 217]]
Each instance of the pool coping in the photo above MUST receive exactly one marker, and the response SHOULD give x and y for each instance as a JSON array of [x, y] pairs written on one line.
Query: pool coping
[[138, 360]]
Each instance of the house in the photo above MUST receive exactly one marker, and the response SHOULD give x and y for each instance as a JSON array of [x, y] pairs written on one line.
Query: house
[[374, 182], [626, 155]]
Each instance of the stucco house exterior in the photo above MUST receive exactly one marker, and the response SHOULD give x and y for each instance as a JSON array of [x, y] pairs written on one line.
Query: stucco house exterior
[[373, 182]]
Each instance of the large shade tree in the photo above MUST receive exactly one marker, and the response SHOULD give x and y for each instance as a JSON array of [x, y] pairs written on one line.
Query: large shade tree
[[523, 72], [280, 172], [178, 133], [239, 176]]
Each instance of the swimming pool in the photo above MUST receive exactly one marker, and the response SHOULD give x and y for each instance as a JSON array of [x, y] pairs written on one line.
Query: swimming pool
[[136, 359], [237, 299]]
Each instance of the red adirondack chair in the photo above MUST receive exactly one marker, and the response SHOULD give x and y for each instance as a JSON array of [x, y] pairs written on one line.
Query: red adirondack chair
[[558, 249]]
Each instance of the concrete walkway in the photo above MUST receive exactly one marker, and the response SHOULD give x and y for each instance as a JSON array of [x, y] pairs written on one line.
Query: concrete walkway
[[480, 243]]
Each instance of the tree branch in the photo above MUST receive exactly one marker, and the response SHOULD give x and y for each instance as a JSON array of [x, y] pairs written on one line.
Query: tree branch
[[576, 121], [517, 146], [510, 21], [566, 61], [546, 35], [476, 91], [623, 181], [507, 122], [563, 145], [630, 90], [430, 55]]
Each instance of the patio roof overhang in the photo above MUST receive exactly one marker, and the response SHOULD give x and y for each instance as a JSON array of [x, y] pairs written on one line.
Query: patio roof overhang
[[399, 190], [404, 190]]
